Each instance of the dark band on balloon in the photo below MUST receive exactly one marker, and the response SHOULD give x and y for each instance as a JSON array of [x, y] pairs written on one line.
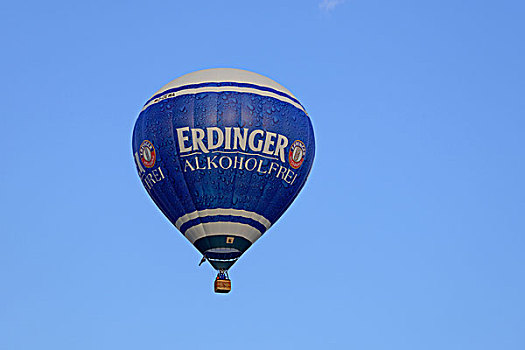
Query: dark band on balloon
[[210, 242], [222, 261]]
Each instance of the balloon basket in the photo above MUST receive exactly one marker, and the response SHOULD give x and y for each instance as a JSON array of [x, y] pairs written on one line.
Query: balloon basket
[[223, 285]]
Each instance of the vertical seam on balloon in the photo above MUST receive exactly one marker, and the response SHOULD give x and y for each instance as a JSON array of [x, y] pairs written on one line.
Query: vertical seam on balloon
[[162, 196], [292, 199], [193, 199], [183, 172], [198, 212], [179, 198], [310, 136], [154, 196], [236, 170], [271, 199], [258, 208]]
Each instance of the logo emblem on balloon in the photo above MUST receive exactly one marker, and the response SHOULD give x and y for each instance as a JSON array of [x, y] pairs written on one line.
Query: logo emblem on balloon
[[147, 154], [296, 154]]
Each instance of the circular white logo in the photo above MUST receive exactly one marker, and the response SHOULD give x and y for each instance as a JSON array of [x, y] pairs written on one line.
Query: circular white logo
[[296, 154], [147, 154]]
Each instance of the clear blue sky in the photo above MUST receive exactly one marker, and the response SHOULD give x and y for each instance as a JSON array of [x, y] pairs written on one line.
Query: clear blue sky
[[410, 233]]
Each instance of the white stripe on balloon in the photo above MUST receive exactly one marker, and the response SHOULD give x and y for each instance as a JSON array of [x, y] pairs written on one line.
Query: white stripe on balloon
[[223, 89], [223, 211], [222, 228]]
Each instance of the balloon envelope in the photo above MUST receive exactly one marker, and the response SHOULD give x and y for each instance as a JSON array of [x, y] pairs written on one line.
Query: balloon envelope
[[223, 153]]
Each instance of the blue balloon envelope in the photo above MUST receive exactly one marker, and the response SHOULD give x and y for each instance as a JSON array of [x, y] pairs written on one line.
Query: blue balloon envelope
[[223, 153]]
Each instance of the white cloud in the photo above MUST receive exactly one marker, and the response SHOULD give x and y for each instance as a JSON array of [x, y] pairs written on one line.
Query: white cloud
[[329, 5]]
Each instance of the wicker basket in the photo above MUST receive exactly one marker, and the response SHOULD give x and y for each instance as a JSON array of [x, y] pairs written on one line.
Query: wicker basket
[[223, 286]]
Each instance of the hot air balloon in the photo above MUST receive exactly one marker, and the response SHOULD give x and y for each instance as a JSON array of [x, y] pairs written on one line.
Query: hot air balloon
[[223, 153]]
